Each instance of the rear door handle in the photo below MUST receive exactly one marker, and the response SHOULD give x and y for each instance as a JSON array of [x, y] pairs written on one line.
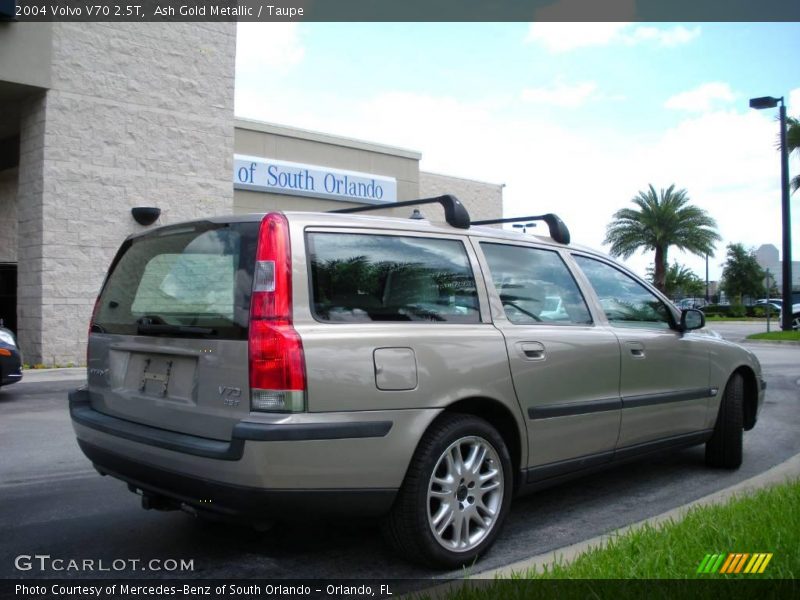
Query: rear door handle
[[636, 349], [532, 350]]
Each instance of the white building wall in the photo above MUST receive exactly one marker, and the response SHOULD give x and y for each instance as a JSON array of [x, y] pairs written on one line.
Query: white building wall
[[138, 115]]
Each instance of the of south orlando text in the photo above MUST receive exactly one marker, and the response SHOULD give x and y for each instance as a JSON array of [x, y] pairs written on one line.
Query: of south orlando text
[[214, 10]]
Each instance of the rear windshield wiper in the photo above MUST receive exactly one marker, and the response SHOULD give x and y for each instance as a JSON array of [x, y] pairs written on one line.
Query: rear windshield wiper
[[166, 329]]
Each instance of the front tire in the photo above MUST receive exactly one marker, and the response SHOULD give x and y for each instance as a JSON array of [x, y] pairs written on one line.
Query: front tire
[[724, 449], [455, 496]]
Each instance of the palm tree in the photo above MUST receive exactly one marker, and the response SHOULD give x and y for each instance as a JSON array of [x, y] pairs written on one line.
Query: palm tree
[[660, 221], [793, 145], [679, 280]]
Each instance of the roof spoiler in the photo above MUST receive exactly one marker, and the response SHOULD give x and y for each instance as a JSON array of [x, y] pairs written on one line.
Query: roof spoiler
[[455, 213], [558, 229]]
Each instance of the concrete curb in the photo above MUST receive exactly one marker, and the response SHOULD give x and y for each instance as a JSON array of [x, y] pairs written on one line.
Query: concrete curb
[[785, 471], [45, 375], [772, 342]]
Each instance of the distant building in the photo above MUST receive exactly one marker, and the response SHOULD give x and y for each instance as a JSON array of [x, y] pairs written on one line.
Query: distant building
[[768, 258]]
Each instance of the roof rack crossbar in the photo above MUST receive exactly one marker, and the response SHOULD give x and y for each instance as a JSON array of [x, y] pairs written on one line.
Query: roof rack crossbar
[[455, 213], [558, 229]]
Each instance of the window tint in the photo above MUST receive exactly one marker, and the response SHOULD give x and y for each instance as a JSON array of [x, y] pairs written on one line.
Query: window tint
[[192, 277], [535, 286], [625, 301], [360, 277]]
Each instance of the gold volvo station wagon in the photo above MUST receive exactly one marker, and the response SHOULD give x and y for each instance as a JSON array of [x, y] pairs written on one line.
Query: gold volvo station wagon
[[298, 364]]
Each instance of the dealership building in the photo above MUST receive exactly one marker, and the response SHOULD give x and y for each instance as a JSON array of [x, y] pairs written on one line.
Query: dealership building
[[100, 118]]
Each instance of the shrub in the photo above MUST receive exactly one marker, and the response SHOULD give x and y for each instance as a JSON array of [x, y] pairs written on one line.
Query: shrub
[[718, 310], [738, 311]]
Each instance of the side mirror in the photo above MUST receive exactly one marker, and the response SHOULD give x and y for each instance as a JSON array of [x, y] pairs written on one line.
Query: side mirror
[[691, 318]]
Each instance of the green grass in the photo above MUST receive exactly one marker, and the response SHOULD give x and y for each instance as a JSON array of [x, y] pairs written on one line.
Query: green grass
[[780, 336], [765, 521]]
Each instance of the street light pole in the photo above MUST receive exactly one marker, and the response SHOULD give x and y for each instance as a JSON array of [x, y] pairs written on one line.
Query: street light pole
[[768, 306], [786, 313], [786, 274]]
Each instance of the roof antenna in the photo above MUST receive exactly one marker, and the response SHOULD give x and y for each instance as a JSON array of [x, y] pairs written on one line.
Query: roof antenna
[[417, 215]]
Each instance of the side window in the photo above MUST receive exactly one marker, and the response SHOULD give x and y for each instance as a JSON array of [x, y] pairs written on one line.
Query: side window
[[625, 301], [360, 278], [535, 286]]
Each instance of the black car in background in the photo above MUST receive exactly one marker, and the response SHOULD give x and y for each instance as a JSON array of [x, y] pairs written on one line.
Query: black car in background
[[10, 358]]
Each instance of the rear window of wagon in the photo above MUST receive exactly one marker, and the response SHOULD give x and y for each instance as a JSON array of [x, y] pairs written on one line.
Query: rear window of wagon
[[190, 276]]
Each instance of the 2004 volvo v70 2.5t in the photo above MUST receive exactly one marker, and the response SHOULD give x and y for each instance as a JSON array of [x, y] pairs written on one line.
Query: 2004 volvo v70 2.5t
[[297, 363]]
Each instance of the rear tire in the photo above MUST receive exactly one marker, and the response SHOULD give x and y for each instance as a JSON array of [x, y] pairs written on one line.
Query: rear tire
[[724, 449], [455, 496]]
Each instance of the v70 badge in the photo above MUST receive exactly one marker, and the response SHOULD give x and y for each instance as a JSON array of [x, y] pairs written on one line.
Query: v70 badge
[[231, 396]]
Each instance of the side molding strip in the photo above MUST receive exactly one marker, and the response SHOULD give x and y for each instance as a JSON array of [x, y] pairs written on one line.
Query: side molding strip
[[549, 411], [680, 396], [610, 458]]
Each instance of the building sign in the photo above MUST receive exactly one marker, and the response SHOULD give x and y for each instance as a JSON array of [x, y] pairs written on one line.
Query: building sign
[[283, 177]]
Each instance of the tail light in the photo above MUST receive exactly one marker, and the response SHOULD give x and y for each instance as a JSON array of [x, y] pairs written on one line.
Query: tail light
[[277, 365]]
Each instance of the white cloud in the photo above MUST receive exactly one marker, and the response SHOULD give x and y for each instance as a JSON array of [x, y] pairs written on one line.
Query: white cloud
[[793, 104], [728, 163], [273, 46], [702, 98], [563, 37], [568, 96], [664, 37]]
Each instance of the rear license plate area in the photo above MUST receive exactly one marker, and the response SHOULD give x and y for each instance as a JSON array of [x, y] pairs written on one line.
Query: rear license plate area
[[159, 376], [155, 377]]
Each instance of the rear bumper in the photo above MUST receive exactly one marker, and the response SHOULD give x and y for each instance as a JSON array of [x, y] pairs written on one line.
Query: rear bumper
[[307, 463], [82, 412], [235, 501]]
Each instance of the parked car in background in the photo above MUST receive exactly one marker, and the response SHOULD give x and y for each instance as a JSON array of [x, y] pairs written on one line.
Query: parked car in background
[[10, 358], [691, 303], [795, 316], [301, 364], [775, 303]]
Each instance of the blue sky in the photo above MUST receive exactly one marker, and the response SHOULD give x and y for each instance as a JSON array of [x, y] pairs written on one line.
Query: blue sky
[[573, 118]]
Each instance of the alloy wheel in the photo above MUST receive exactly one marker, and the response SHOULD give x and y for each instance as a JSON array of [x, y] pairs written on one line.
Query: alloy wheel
[[465, 494]]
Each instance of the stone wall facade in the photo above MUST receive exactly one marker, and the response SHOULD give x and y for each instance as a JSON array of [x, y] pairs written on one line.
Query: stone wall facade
[[137, 115], [482, 200]]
